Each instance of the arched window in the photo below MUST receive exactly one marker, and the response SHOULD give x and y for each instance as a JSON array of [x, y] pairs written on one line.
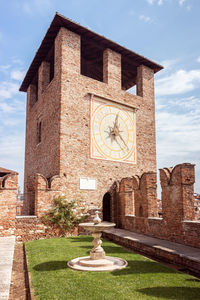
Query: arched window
[[39, 132], [140, 211]]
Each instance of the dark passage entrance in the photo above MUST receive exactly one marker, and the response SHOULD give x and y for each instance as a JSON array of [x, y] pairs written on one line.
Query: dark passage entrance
[[107, 207]]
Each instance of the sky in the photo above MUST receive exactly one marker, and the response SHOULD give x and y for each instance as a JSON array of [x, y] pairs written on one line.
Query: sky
[[165, 31]]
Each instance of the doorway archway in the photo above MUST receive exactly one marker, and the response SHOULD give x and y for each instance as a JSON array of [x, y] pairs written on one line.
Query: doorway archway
[[107, 207]]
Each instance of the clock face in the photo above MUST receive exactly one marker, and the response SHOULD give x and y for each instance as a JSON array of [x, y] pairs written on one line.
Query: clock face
[[112, 131]]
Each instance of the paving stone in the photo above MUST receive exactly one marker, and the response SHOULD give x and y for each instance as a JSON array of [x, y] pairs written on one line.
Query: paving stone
[[7, 245]]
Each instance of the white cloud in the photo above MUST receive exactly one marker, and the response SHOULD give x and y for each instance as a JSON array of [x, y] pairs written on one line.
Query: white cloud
[[6, 108], [178, 127], [159, 2], [17, 74], [198, 59], [8, 89], [13, 106], [146, 19], [12, 153], [178, 83], [11, 147], [11, 122], [17, 61], [37, 6], [181, 2], [4, 67], [169, 63], [181, 131], [177, 139], [190, 103]]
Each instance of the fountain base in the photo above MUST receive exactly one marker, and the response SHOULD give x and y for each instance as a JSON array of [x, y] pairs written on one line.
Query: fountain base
[[97, 261], [97, 265], [97, 255]]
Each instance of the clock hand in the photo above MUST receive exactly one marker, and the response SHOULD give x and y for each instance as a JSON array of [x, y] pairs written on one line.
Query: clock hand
[[119, 135], [116, 132], [116, 122], [115, 127]]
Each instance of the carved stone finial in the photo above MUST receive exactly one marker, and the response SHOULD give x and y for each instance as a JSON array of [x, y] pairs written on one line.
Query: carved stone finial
[[96, 219]]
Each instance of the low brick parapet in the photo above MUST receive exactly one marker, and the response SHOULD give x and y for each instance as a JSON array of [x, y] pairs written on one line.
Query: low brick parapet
[[184, 257], [29, 228]]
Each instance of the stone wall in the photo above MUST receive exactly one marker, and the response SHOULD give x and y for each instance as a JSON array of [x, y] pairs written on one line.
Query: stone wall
[[178, 223]]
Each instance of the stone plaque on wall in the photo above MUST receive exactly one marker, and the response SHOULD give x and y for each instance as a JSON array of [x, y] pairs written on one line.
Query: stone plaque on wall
[[88, 184]]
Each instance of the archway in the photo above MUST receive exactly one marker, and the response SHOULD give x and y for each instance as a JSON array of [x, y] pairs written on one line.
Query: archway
[[107, 207]]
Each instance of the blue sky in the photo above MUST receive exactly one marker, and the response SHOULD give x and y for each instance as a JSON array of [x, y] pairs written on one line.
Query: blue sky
[[166, 31]]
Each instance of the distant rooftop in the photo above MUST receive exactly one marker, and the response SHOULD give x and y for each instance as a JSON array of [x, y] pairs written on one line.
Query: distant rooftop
[[94, 44]]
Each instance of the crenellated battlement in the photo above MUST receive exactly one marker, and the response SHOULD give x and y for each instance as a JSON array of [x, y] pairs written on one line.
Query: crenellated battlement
[[8, 202], [9, 181], [136, 199], [138, 195], [45, 190], [177, 193], [133, 204]]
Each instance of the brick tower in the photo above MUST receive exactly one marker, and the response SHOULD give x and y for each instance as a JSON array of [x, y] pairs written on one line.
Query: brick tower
[[81, 122]]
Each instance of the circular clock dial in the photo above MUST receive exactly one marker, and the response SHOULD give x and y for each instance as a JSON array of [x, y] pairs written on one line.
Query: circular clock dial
[[113, 131]]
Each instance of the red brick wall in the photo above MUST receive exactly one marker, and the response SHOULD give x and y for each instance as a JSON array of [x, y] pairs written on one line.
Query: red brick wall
[[45, 191], [8, 199], [75, 158], [64, 109], [178, 223], [44, 157], [29, 228]]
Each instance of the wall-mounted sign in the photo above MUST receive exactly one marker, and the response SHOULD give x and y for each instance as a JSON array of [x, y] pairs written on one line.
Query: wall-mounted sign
[[88, 184]]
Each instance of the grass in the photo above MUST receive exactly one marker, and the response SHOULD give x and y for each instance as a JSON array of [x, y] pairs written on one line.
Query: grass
[[142, 279]]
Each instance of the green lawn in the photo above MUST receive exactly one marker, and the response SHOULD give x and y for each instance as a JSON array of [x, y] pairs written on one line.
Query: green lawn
[[142, 279]]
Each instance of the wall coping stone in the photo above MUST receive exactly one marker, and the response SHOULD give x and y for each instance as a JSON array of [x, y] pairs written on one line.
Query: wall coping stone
[[191, 221], [155, 218], [26, 217]]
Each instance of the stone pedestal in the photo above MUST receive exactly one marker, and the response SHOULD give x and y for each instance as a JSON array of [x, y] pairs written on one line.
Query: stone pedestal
[[97, 251]]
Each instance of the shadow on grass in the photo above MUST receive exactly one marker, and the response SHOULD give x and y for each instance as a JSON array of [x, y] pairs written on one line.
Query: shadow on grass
[[134, 267], [182, 293], [139, 267], [78, 239], [194, 280], [51, 266]]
